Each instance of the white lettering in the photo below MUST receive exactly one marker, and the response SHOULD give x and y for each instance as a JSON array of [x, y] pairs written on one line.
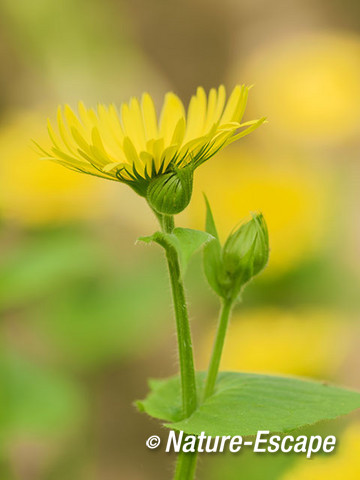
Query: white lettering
[[176, 442], [260, 440]]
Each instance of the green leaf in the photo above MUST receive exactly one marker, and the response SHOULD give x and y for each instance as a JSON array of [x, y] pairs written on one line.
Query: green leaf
[[244, 403], [212, 254], [188, 242], [185, 241], [210, 226]]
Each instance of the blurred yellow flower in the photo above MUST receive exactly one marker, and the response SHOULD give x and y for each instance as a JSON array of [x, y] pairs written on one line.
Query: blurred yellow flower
[[292, 195], [310, 343], [32, 192], [309, 86], [134, 147], [344, 464]]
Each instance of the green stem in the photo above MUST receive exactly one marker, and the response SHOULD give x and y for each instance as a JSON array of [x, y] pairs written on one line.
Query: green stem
[[187, 371], [186, 463], [186, 466], [217, 348], [167, 223], [186, 359]]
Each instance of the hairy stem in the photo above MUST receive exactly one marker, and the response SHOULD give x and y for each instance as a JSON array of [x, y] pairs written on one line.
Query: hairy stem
[[167, 223], [186, 464], [187, 371], [217, 348]]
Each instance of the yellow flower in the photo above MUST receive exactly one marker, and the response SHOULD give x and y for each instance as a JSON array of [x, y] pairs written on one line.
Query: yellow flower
[[343, 464], [133, 147]]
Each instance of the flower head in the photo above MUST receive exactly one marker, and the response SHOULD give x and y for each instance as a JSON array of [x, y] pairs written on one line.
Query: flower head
[[134, 147]]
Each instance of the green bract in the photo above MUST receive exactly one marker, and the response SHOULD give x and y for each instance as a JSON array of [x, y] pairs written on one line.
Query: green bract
[[171, 193], [244, 255]]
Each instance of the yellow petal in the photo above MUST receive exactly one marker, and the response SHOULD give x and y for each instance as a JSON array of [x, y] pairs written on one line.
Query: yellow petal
[[232, 105], [111, 166], [54, 138], [149, 117], [196, 115], [189, 150], [209, 120], [157, 150], [87, 116], [168, 155], [102, 157], [79, 139], [218, 142], [65, 136], [172, 112], [148, 161], [179, 132], [115, 123], [133, 123], [73, 121], [132, 156], [242, 106], [228, 126], [39, 150], [110, 137], [71, 160], [248, 130], [121, 168], [221, 97]]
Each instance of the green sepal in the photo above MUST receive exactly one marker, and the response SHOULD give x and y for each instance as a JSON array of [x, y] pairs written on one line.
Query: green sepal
[[184, 240]]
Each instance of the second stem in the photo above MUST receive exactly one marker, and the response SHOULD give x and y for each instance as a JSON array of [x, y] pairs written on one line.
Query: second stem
[[218, 348]]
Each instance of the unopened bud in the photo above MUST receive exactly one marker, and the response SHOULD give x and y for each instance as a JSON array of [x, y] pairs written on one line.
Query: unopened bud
[[246, 251], [244, 255]]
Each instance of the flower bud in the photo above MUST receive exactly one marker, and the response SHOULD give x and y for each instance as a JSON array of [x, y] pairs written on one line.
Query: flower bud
[[246, 251], [245, 254], [170, 193]]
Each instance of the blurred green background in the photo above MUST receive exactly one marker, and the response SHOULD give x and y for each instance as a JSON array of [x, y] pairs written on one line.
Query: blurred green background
[[86, 314]]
